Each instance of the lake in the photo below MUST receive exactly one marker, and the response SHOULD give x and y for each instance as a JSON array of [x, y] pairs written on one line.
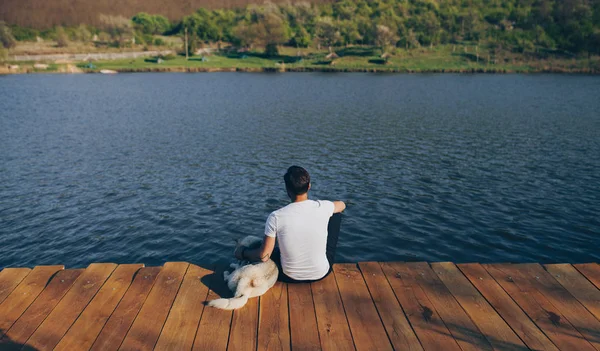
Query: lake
[[163, 167]]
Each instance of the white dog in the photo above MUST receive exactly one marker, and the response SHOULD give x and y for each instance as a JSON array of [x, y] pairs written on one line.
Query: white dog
[[248, 279]]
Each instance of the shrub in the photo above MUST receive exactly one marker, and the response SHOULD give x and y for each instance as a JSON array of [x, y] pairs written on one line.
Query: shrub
[[6, 37], [82, 34], [24, 34], [62, 40], [271, 50], [159, 42], [168, 57]]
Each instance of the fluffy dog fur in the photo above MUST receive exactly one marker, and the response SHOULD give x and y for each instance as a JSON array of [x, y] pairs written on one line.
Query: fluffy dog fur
[[248, 279]]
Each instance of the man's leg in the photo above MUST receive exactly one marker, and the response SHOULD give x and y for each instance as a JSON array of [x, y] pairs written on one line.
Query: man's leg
[[333, 232]]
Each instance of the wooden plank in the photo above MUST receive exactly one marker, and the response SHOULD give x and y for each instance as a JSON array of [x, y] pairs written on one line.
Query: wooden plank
[[213, 331], [427, 324], [524, 327], [182, 323], [566, 303], [149, 322], [25, 293], [591, 271], [334, 331], [117, 326], [367, 328], [274, 322], [86, 328], [493, 327], [26, 325], [545, 315], [52, 329], [9, 279], [577, 285], [303, 321], [458, 322], [397, 326], [244, 326]]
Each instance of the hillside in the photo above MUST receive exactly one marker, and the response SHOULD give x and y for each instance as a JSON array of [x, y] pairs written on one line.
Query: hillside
[[43, 14]]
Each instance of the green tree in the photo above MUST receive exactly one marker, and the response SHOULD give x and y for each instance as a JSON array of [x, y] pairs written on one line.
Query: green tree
[[327, 32], [301, 38], [385, 37], [344, 10], [151, 24], [265, 26], [203, 25], [349, 32]]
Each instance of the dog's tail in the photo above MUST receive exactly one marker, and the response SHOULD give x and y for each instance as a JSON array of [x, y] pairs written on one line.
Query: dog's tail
[[229, 304]]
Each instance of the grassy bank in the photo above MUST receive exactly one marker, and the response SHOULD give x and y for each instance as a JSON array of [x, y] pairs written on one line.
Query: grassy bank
[[353, 59]]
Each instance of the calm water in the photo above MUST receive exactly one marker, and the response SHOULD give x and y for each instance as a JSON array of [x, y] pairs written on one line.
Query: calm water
[[163, 167]]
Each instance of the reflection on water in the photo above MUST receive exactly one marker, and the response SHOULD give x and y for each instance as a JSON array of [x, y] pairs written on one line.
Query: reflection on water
[[163, 167]]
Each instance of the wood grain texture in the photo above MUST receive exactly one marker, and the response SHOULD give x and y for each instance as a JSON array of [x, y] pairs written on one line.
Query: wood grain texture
[[493, 327], [369, 306], [303, 321], [243, 327], [117, 326], [10, 278], [180, 328], [274, 321], [397, 326], [29, 321], [560, 297], [49, 333], [149, 322], [426, 322], [86, 328], [577, 285], [466, 333], [24, 294], [334, 331], [591, 271], [545, 315], [367, 328], [506, 307], [213, 331]]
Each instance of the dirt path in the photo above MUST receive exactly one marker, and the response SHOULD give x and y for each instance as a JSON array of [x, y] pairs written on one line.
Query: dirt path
[[90, 56]]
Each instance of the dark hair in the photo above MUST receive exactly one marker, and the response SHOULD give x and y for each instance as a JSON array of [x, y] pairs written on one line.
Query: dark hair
[[296, 180]]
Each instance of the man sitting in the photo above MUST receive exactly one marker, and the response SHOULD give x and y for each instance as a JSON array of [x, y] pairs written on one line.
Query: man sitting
[[307, 233]]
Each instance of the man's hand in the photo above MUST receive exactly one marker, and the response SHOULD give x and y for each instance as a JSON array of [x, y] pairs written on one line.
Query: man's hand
[[262, 253]]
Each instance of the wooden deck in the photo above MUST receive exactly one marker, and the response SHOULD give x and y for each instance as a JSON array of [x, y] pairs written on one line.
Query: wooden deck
[[365, 306]]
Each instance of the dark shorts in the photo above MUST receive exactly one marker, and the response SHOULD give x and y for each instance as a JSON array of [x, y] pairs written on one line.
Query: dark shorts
[[333, 232]]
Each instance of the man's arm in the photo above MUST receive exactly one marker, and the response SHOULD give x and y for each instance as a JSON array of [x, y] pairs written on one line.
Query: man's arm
[[338, 206], [263, 253]]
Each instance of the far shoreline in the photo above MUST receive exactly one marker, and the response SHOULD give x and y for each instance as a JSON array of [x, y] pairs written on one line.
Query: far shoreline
[[5, 71]]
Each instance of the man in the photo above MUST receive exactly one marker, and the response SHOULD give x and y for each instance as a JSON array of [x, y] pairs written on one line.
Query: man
[[307, 233]]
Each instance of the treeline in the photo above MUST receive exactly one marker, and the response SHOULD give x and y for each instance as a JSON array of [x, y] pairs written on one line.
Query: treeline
[[45, 14], [526, 26]]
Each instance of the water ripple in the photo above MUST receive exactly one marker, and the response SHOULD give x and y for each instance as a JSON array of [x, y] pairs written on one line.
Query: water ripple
[[162, 167]]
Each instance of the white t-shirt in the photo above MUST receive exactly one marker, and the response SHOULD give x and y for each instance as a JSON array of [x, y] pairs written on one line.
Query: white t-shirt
[[301, 231]]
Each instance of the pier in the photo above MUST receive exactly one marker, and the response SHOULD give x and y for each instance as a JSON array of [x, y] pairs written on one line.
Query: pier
[[364, 306]]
